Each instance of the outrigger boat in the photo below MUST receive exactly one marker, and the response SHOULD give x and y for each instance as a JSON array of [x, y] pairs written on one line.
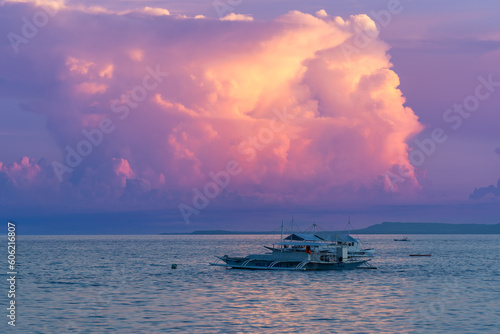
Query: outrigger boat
[[298, 252]]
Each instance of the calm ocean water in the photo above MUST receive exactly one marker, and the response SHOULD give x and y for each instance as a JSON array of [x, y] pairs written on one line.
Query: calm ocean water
[[125, 284]]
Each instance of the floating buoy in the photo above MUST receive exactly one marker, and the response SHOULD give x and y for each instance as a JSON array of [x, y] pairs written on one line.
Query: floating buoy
[[174, 266]]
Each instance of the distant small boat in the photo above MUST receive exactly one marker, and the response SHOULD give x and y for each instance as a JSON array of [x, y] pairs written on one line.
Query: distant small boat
[[420, 254], [402, 239]]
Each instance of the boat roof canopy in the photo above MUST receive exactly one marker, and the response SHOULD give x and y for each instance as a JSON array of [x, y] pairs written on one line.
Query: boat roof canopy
[[302, 243], [337, 236], [303, 237]]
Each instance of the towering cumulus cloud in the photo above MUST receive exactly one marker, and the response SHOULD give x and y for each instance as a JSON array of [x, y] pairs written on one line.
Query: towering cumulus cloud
[[146, 105]]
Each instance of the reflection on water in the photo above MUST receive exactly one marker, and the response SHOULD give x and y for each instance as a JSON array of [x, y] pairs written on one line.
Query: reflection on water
[[125, 284]]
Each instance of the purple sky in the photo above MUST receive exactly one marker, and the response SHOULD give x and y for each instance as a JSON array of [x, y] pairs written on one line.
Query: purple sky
[[352, 145]]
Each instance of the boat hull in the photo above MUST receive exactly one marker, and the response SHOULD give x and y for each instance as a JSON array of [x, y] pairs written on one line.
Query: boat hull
[[277, 264]]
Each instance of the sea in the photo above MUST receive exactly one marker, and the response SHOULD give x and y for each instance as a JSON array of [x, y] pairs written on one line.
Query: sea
[[126, 284]]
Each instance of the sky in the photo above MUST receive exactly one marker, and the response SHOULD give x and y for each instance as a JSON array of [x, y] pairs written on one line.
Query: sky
[[171, 116]]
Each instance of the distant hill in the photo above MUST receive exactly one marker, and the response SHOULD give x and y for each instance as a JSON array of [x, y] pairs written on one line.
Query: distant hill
[[429, 228], [230, 232], [394, 228]]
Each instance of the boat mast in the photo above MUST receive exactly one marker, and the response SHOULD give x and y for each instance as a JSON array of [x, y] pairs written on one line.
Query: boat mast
[[349, 225], [281, 235]]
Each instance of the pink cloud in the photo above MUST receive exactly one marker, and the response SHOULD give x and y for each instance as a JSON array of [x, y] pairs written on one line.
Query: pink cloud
[[22, 172], [282, 98], [237, 17]]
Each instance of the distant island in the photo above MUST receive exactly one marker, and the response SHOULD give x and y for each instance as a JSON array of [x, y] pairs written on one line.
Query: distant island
[[231, 232], [429, 228], [393, 228]]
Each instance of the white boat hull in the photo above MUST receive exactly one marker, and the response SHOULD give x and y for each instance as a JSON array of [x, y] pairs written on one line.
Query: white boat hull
[[270, 262]]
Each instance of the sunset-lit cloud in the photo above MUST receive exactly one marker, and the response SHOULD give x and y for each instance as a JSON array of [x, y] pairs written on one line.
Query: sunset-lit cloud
[[155, 11], [237, 17], [344, 120]]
